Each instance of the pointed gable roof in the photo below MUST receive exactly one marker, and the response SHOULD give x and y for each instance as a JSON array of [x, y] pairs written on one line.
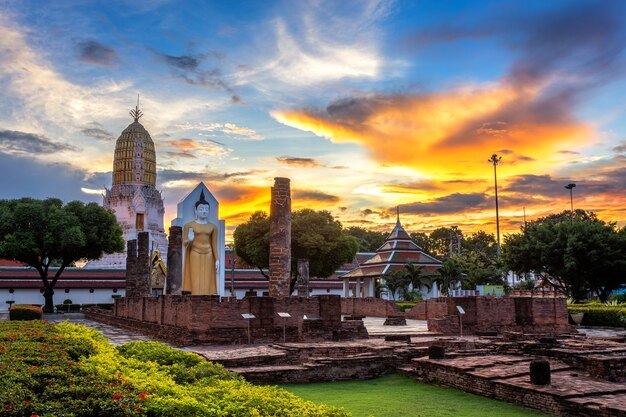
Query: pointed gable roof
[[397, 251]]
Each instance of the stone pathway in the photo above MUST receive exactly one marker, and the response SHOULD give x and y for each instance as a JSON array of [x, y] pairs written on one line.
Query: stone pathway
[[376, 328], [115, 335]]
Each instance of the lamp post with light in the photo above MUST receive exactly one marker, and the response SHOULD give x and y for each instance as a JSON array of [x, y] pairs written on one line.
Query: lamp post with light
[[494, 160]]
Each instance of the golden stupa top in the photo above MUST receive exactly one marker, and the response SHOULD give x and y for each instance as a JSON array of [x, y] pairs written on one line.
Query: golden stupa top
[[134, 161]]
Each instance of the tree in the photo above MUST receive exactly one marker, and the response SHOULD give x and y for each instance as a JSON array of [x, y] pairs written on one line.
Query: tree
[[405, 282], [315, 236], [369, 240], [450, 273], [483, 244], [394, 282], [423, 241], [415, 276], [252, 241], [441, 242], [576, 255], [42, 233]]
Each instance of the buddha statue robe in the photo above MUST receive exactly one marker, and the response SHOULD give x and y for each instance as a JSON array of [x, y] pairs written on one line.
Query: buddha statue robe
[[199, 273]]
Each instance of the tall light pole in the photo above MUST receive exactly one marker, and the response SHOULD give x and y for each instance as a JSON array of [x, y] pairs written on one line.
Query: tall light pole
[[494, 160]]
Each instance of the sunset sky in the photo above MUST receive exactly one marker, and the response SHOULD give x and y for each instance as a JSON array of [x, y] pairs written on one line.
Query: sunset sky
[[365, 105]]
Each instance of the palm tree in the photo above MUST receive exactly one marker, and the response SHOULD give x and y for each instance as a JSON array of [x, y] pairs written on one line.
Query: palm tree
[[394, 282], [449, 275], [414, 275]]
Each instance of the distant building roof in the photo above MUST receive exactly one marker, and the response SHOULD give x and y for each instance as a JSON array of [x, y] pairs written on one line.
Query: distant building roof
[[397, 251]]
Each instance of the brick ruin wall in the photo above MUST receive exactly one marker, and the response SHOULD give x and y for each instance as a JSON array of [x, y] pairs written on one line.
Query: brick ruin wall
[[205, 319], [370, 306], [482, 314], [503, 314]]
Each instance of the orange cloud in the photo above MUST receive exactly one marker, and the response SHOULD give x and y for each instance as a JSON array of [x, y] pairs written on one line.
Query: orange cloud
[[454, 131]]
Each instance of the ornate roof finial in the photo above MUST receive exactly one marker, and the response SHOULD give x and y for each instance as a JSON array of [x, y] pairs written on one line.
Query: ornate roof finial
[[398, 214], [136, 113]]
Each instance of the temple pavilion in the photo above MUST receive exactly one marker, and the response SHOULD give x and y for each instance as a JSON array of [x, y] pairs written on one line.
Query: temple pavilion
[[397, 251]]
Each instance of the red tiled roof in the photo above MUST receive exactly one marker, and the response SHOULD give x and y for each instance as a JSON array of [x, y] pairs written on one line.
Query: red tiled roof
[[397, 251]]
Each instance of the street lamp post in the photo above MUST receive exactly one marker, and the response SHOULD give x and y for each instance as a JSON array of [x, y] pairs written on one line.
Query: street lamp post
[[571, 198], [494, 160]]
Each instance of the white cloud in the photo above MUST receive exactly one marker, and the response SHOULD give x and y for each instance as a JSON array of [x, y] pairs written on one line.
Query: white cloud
[[228, 128]]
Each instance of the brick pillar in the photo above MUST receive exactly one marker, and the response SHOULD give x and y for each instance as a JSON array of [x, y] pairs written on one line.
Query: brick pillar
[[142, 284], [174, 281], [131, 262], [280, 238]]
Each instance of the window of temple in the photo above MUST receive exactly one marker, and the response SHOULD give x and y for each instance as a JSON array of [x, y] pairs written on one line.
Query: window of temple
[[139, 221]]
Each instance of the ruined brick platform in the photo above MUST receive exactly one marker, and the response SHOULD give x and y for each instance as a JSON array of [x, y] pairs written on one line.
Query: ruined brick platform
[[188, 319], [572, 392]]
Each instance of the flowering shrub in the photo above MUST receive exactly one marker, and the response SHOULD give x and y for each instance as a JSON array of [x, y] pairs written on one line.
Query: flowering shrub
[[169, 382], [25, 312], [69, 371], [41, 375]]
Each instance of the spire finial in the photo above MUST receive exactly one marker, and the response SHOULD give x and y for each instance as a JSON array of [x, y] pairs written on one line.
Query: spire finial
[[398, 214], [136, 113]]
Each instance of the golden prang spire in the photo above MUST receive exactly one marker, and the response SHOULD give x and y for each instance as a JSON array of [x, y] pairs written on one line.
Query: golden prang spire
[[136, 113]]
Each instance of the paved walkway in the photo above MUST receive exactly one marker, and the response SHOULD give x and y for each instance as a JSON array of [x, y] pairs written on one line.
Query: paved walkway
[[115, 335], [374, 327]]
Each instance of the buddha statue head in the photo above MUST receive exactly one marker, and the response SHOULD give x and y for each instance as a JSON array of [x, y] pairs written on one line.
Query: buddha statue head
[[202, 209]]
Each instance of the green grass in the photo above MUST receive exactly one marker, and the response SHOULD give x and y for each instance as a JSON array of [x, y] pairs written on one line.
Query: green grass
[[401, 396]]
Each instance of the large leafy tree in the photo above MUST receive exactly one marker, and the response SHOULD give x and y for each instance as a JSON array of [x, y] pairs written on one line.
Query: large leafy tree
[[577, 254], [252, 241], [315, 236], [369, 240], [42, 233]]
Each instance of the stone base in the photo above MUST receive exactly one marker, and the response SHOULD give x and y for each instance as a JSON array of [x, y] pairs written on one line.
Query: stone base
[[395, 321], [185, 320]]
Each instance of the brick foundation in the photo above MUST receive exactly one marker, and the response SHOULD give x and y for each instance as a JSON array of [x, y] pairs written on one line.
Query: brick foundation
[[198, 319], [502, 314]]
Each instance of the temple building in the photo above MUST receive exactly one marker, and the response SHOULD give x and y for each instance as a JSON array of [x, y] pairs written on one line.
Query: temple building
[[133, 196], [397, 251]]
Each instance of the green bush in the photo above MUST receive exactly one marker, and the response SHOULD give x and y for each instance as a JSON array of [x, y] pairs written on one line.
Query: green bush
[[405, 305], [25, 312], [41, 375], [620, 298], [600, 315]]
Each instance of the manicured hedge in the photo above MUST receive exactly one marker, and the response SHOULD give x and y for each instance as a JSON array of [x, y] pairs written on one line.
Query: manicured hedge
[[25, 312], [600, 315], [405, 305], [70, 370]]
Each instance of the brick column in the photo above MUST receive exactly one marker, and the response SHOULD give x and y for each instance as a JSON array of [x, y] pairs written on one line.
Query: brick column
[[142, 284], [131, 262], [174, 281], [280, 238]]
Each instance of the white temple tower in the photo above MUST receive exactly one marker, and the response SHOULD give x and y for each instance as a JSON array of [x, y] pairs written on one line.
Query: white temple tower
[[133, 197]]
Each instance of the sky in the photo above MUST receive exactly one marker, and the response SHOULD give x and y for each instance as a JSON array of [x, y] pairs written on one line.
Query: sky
[[364, 105]]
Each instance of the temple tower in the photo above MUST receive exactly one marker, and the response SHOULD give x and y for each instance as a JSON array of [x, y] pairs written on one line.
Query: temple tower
[[133, 197]]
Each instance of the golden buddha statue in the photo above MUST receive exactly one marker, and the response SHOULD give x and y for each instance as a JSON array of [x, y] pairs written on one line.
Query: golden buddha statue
[[200, 252]]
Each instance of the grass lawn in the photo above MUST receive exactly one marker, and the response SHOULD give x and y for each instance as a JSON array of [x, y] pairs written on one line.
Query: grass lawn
[[401, 396]]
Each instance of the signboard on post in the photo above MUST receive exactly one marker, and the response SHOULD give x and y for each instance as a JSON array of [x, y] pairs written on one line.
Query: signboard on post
[[461, 312], [248, 317], [284, 316]]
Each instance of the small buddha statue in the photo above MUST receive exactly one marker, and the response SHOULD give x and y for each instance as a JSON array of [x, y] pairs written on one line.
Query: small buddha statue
[[201, 262]]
